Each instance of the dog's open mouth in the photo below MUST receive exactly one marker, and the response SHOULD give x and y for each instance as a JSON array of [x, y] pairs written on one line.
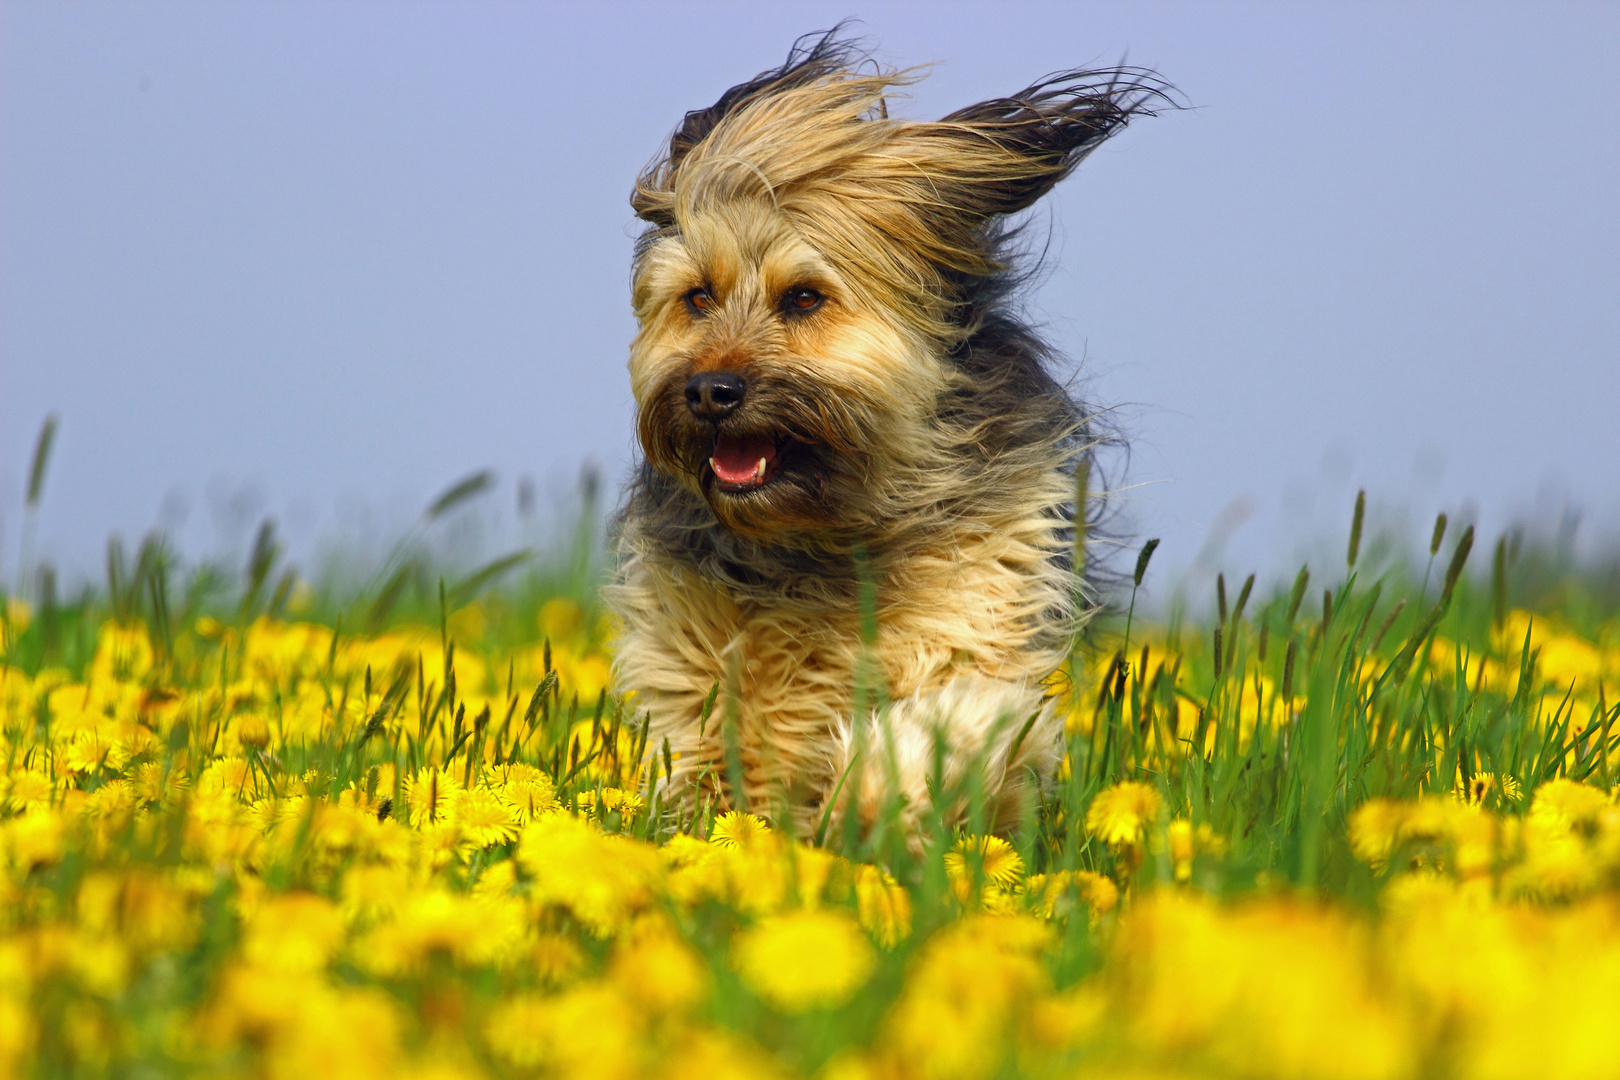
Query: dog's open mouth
[[745, 462]]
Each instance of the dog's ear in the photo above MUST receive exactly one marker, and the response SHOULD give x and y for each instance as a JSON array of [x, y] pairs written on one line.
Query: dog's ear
[[814, 57], [1044, 131]]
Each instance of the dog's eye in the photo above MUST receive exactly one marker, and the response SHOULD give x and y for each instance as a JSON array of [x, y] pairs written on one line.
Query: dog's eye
[[800, 301], [698, 301]]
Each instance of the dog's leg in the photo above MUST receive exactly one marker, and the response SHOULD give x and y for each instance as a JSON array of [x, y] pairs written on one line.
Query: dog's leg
[[975, 732], [670, 655]]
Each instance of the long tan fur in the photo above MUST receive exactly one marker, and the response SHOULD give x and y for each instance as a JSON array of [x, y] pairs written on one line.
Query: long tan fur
[[922, 446]]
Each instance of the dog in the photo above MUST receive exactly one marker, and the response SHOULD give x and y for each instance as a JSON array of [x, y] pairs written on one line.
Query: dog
[[845, 559]]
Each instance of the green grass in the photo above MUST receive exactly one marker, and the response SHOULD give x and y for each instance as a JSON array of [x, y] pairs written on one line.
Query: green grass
[[1379, 717], [1268, 721]]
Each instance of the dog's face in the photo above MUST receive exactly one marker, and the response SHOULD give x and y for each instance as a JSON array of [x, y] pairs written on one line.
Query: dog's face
[[765, 380], [810, 267]]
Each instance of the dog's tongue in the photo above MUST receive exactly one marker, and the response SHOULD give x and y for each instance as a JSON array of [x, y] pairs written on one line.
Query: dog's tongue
[[737, 460]]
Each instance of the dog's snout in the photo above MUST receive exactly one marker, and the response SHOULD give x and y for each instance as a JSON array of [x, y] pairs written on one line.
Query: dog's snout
[[713, 395]]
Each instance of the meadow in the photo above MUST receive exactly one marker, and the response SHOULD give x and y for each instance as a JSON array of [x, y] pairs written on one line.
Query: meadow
[[1362, 826]]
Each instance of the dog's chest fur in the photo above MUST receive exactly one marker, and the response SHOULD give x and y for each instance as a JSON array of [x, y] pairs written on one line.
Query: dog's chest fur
[[787, 655]]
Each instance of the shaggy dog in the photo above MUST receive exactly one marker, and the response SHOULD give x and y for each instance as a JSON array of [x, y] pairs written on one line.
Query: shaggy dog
[[855, 515]]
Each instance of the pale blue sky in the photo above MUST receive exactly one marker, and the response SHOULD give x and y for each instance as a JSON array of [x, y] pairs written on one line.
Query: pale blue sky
[[323, 259]]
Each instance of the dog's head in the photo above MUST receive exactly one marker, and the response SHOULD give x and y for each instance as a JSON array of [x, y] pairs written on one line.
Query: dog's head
[[812, 266]]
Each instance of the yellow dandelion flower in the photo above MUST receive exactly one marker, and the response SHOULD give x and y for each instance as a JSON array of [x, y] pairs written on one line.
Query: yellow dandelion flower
[[1477, 789], [955, 1015], [707, 874], [255, 1003], [558, 959], [589, 1031], [352, 1033], [756, 880], [293, 932], [684, 850], [101, 964], [1281, 988], [804, 960], [1119, 814], [112, 801], [472, 930], [230, 775], [34, 839], [370, 891], [1374, 828], [27, 789], [1557, 864], [994, 858], [497, 880], [601, 879], [89, 752], [1053, 895], [123, 653], [430, 797], [626, 803], [436, 844], [382, 782], [815, 873], [885, 907], [661, 972], [517, 1030], [251, 731], [1484, 785], [717, 1054], [735, 829], [346, 828], [148, 910], [1568, 802], [528, 789], [156, 781], [1060, 1022], [485, 820], [71, 803]]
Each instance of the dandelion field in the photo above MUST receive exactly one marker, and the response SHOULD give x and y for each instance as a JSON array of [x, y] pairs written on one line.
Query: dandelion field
[[1366, 826]]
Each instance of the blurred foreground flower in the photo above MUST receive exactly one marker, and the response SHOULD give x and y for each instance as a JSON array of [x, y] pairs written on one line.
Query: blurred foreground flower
[[1119, 815], [804, 960]]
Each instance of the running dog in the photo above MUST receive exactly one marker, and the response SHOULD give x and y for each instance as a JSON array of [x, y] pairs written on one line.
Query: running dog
[[845, 568]]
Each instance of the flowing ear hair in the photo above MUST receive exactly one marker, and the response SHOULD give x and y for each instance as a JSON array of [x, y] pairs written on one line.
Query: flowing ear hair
[[1038, 135]]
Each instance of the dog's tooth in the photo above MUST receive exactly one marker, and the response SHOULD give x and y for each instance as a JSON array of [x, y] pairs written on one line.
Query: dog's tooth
[[759, 470]]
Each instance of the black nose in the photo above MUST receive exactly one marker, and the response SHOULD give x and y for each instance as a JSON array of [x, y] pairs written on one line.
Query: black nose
[[714, 394]]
